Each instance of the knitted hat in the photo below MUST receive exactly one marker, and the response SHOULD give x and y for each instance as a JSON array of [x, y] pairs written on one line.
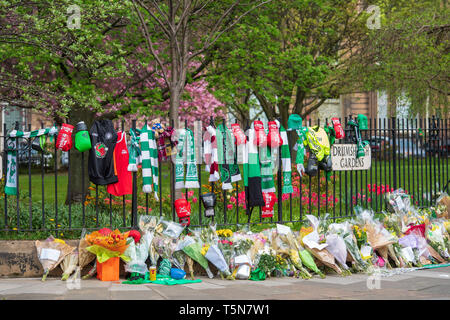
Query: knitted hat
[[294, 122], [362, 122]]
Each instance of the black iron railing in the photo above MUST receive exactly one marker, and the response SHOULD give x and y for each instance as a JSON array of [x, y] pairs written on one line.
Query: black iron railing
[[411, 154]]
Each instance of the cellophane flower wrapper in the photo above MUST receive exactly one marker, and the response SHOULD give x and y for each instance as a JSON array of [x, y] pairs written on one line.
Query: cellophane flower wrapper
[[336, 246], [353, 249], [148, 223], [51, 253], [115, 241], [284, 241], [138, 254], [84, 256], [398, 201], [215, 256], [169, 228], [436, 237], [308, 261], [104, 254], [69, 264], [165, 246], [225, 243], [194, 250]]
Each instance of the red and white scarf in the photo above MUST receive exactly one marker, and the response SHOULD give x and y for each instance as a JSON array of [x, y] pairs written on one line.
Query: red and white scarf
[[211, 155]]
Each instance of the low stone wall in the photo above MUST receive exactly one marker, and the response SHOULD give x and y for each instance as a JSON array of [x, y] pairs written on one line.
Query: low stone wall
[[20, 259]]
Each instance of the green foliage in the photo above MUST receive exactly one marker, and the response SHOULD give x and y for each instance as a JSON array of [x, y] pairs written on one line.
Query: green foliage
[[287, 47], [409, 55]]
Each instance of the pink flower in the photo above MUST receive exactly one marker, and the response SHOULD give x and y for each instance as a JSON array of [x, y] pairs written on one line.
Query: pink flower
[[194, 200], [232, 199], [190, 194], [229, 206]]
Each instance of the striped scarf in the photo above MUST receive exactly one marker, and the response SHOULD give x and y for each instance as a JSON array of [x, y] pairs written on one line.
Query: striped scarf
[[35, 133], [149, 161], [135, 151], [186, 141], [266, 157], [11, 159], [285, 161], [229, 170], [210, 154]]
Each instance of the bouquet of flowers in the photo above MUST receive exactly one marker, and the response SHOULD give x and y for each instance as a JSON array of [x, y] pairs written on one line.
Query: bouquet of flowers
[[240, 262], [149, 226], [84, 256], [69, 264], [165, 246], [225, 243], [267, 263], [308, 261], [138, 254], [108, 245], [392, 222], [336, 246], [289, 246], [193, 250], [398, 201], [437, 240], [51, 253], [210, 250]]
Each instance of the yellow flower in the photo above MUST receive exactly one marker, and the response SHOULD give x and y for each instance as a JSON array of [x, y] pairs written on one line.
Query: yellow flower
[[365, 229], [14, 228], [205, 250], [52, 219], [60, 240]]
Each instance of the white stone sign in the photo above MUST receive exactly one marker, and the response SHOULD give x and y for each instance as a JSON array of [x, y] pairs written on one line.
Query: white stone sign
[[343, 158]]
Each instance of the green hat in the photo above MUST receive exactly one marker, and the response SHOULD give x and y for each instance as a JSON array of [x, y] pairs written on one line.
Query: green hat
[[294, 122], [362, 122]]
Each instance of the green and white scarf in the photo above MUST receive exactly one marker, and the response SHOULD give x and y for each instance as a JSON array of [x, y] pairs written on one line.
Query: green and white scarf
[[11, 159], [135, 151], [150, 168], [285, 161], [300, 158], [35, 133], [11, 169], [267, 158], [186, 142], [229, 170], [252, 168]]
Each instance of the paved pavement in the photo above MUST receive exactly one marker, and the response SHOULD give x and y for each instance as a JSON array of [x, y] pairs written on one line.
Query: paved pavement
[[419, 284]]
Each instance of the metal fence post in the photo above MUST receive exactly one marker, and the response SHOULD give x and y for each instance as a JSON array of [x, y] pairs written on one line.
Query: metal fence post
[[394, 155], [134, 192]]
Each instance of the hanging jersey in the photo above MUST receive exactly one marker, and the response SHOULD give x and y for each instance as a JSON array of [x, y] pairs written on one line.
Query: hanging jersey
[[101, 155], [124, 185]]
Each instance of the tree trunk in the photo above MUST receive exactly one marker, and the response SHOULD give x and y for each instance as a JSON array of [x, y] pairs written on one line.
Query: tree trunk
[[75, 187]]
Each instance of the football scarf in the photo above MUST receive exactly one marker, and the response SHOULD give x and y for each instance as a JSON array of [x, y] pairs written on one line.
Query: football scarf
[[186, 141], [229, 170], [11, 159], [285, 161], [135, 151], [210, 154], [150, 168]]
